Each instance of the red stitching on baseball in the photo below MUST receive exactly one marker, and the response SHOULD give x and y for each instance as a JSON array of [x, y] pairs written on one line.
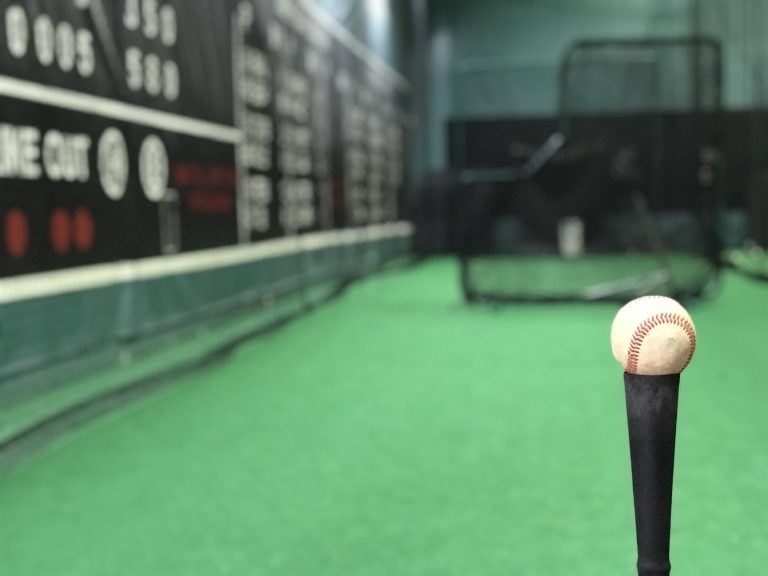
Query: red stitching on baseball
[[633, 354]]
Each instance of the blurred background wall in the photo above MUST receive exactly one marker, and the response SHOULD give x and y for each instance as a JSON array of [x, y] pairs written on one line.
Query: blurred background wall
[[516, 46], [525, 41]]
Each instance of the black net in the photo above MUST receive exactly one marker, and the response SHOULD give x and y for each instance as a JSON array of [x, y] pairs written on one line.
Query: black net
[[625, 76], [620, 200]]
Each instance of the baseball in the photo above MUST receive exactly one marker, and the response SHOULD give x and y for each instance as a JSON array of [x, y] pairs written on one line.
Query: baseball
[[653, 335]]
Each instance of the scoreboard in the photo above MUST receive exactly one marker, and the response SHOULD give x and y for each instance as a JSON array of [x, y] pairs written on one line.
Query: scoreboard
[[136, 128]]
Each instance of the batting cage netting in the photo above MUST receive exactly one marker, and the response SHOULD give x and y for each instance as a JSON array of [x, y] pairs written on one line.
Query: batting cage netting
[[618, 200]]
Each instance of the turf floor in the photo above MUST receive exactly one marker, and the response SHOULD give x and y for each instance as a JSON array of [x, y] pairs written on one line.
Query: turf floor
[[397, 431]]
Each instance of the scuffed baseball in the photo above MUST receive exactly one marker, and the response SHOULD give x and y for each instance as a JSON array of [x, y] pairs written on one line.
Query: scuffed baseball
[[653, 335]]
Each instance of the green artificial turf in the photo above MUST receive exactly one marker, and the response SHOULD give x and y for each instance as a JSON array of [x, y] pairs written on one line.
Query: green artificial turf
[[399, 432]]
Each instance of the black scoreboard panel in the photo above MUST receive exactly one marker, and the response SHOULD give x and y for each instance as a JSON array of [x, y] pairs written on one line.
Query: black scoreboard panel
[[134, 128]]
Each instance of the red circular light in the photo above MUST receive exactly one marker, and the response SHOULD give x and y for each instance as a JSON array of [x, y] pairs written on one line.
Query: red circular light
[[60, 229], [16, 232], [82, 222]]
